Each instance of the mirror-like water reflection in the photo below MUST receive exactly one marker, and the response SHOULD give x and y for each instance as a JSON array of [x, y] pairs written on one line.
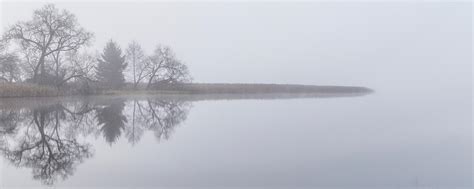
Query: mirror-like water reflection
[[47, 135], [47, 138], [195, 141]]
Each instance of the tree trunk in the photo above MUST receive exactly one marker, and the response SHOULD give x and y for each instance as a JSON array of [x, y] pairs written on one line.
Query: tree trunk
[[36, 74], [135, 84], [149, 82]]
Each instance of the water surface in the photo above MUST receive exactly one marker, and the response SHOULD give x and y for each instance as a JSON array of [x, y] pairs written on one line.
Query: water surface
[[288, 141]]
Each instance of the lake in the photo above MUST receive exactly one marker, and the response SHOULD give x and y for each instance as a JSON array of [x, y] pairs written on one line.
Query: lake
[[379, 140]]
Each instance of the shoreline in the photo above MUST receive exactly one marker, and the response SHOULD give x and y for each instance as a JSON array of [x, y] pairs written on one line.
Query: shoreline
[[224, 89], [276, 92]]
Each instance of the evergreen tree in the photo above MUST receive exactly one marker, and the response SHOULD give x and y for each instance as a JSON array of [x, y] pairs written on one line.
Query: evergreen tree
[[111, 66]]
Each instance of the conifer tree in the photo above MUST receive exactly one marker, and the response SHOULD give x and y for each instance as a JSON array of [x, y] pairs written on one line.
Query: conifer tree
[[111, 66]]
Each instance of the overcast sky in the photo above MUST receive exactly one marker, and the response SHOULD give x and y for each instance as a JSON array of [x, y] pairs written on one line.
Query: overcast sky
[[402, 45]]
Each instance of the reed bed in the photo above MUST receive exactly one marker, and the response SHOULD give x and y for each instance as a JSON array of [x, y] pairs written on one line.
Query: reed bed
[[26, 90]]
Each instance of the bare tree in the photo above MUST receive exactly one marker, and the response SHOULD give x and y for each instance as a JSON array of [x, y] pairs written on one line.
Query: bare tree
[[76, 65], [137, 61], [50, 31], [164, 68], [28, 60], [176, 72]]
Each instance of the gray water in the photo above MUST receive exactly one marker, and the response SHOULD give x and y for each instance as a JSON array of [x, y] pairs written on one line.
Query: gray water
[[377, 140]]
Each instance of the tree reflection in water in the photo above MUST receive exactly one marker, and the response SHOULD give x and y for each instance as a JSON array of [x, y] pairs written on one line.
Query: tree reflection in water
[[111, 120], [50, 139]]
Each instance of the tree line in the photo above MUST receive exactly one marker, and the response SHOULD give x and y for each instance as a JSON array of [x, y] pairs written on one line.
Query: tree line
[[51, 49]]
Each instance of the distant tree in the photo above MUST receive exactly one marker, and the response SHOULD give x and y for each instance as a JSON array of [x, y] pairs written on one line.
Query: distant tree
[[9, 64], [9, 68], [164, 68], [111, 66], [50, 31], [137, 61]]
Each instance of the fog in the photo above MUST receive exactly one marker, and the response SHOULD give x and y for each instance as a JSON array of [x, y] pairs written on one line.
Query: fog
[[401, 45], [417, 125]]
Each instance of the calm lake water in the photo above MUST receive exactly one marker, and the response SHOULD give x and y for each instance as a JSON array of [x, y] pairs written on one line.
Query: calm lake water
[[374, 140]]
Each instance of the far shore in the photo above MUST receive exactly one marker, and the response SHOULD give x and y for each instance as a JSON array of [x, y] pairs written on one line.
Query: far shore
[[189, 89]]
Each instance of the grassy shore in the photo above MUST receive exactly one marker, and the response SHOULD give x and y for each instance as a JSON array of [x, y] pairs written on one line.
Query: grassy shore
[[30, 90], [240, 88], [26, 90]]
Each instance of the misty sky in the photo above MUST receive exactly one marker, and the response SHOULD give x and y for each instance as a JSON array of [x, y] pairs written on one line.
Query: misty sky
[[416, 56], [401, 45]]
